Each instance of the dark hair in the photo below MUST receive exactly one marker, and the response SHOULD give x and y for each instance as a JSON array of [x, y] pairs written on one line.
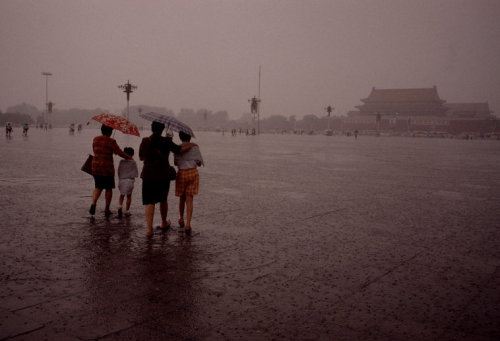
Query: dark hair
[[129, 151], [184, 137], [157, 127], [105, 130]]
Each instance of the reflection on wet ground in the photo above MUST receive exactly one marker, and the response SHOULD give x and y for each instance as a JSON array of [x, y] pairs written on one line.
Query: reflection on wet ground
[[295, 237]]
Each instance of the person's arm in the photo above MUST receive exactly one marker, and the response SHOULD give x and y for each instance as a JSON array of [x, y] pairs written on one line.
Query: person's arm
[[142, 149], [187, 147], [174, 148], [177, 149], [120, 152]]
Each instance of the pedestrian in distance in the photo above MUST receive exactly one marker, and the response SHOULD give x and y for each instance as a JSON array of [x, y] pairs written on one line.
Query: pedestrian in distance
[[154, 152], [103, 169], [127, 172], [187, 182], [8, 129]]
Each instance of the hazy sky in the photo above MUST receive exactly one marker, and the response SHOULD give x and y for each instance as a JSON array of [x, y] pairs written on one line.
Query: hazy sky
[[206, 54]]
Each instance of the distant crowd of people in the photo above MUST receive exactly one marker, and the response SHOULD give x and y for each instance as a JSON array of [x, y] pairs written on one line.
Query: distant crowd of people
[[9, 129], [156, 175]]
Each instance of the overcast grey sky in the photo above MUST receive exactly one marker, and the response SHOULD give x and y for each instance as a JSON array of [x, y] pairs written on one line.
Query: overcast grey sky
[[206, 54]]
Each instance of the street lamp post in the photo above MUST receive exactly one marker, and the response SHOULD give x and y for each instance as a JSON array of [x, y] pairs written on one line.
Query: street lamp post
[[255, 106], [46, 118], [378, 119], [128, 89], [329, 110]]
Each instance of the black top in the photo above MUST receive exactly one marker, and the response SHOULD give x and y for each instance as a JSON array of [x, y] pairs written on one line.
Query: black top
[[154, 151]]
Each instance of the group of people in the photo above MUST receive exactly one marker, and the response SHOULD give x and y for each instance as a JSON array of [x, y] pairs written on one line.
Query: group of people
[[72, 128], [154, 151], [8, 129]]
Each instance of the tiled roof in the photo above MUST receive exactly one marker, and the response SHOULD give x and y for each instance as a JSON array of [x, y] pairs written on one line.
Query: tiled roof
[[403, 95], [469, 107]]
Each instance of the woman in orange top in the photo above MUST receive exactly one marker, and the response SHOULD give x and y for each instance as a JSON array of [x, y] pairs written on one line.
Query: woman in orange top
[[103, 169]]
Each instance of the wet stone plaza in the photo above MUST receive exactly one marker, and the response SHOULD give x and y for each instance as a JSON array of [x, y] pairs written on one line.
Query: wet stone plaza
[[294, 238]]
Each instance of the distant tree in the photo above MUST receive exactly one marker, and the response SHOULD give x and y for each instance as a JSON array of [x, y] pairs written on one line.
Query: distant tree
[[244, 122], [15, 118], [309, 122], [187, 116], [39, 120], [221, 119], [275, 122], [24, 108], [63, 118], [204, 119]]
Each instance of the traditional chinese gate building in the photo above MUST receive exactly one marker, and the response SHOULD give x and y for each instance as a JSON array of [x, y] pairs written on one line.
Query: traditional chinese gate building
[[421, 109], [403, 102]]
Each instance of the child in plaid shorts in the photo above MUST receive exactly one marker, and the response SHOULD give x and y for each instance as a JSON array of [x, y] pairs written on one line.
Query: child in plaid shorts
[[187, 182]]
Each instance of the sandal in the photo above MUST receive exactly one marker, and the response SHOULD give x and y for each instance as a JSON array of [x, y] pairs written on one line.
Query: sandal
[[188, 230], [181, 222]]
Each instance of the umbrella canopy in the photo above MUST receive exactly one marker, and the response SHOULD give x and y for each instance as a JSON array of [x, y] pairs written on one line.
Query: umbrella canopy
[[118, 123], [169, 121]]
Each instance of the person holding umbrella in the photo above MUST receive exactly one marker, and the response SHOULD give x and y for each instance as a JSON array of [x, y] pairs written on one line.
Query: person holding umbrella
[[154, 152], [103, 169]]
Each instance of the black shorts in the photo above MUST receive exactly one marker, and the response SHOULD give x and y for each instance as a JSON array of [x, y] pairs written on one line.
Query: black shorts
[[154, 192], [104, 182]]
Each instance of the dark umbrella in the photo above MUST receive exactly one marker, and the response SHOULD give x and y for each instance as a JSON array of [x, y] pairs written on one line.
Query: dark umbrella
[[169, 121]]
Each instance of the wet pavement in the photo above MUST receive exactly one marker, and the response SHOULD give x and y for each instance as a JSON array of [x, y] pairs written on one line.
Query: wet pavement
[[295, 237]]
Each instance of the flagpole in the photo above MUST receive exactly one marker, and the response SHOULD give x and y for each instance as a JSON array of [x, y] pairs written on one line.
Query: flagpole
[[258, 108]]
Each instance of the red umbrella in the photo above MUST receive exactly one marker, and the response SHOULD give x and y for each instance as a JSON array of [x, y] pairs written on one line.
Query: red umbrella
[[118, 123]]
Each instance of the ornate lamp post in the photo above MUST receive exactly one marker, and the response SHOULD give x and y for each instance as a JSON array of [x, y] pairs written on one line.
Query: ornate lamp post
[[329, 110], [128, 89], [48, 106], [255, 106]]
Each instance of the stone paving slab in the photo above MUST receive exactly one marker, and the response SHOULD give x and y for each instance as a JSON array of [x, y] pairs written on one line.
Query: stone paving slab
[[296, 237]]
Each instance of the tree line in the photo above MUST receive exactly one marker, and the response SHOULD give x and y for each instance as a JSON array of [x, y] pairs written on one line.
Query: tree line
[[201, 119]]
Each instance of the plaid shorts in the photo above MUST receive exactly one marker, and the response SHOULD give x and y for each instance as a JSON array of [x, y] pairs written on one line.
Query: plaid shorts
[[187, 182]]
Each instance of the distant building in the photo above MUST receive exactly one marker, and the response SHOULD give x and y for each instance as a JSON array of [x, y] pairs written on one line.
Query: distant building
[[421, 109], [469, 110], [403, 102]]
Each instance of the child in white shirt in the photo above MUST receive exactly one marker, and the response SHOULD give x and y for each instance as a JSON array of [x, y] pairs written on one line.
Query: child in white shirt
[[127, 172]]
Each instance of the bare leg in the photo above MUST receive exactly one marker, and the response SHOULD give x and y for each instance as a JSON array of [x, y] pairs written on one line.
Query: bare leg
[[189, 206], [95, 195], [163, 213], [108, 196], [129, 201], [182, 202], [150, 213], [121, 200]]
